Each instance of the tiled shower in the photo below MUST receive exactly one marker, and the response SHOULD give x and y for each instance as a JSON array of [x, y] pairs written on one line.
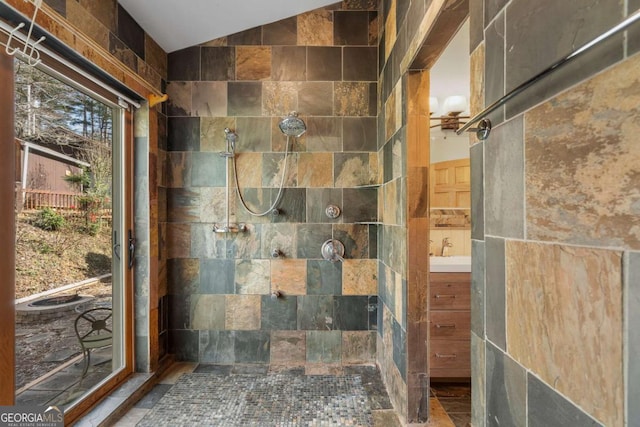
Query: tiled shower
[[322, 64]]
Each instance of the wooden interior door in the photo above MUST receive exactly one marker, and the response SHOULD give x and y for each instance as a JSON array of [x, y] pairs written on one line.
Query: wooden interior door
[[451, 184]]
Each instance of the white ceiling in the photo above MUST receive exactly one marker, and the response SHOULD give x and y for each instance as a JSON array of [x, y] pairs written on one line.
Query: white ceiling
[[450, 75], [175, 25]]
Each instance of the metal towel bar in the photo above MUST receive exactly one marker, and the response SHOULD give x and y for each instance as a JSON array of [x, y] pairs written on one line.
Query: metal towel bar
[[484, 127]]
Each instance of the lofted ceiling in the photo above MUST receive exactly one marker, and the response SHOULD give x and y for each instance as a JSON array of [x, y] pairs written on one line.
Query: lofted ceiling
[[175, 25]]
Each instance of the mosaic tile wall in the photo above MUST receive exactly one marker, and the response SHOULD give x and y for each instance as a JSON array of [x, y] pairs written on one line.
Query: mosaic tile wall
[[555, 218], [322, 64]]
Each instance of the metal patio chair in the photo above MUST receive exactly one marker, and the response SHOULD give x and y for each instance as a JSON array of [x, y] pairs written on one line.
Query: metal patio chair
[[94, 330]]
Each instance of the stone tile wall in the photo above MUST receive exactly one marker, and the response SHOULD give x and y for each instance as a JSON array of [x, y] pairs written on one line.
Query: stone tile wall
[[556, 215], [111, 27], [322, 64]]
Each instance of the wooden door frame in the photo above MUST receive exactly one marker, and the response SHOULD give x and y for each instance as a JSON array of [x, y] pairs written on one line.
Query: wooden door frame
[[7, 233]]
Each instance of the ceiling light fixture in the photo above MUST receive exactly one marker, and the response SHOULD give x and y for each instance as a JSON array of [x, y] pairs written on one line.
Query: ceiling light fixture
[[453, 106]]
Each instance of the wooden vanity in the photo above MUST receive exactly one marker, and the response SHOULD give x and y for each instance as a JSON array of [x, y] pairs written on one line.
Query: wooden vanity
[[450, 325]]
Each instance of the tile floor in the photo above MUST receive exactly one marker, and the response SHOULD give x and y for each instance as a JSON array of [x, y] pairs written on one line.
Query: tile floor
[[452, 401], [357, 397], [165, 403]]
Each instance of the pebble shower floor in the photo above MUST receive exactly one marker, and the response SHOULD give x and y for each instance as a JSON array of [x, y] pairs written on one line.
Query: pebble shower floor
[[282, 399]]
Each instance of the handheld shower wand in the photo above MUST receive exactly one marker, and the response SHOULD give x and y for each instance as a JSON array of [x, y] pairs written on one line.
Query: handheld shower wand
[[231, 137]]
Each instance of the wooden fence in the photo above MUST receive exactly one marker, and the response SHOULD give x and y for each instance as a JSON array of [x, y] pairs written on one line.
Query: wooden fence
[[38, 199], [71, 205]]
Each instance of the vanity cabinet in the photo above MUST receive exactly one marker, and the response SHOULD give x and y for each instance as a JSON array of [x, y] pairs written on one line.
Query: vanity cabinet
[[450, 325]]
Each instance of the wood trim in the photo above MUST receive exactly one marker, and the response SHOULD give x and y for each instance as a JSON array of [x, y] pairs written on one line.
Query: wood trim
[[60, 28], [417, 245], [7, 233]]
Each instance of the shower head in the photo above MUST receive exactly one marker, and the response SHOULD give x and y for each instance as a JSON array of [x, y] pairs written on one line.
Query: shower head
[[292, 125], [230, 135]]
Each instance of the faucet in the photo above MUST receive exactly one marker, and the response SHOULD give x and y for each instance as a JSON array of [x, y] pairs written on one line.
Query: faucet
[[446, 244]]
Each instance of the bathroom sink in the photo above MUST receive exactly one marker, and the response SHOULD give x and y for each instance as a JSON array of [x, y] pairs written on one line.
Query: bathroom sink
[[450, 264]]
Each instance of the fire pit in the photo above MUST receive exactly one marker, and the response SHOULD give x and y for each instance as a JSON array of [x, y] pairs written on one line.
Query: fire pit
[[62, 299], [47, 308]]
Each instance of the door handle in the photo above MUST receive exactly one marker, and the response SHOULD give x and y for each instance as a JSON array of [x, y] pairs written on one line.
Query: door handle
[[132, 249], [116, 245]]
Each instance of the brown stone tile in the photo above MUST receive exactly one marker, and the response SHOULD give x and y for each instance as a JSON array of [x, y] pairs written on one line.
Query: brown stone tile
[[87, 23], [180, 98], [582, 160], [122, 52], [358, 347], [315, 170], [279, 98], [324, 63], [178, 169], [283, 32], [104, 11], [352, 170], [324, 134], [178, 240], [147, 73], [360, 277], [155, 56], [476, 99], [396, 386], [390, 115], [220, 41], [288, 348], [289, 276], [208, 312], [359, 4], [212, 135], [385, 418], [253, 63], [249, 167], [315, 28], [218, 63], [173, 373], [374, 28], [313, 99], [209, 99], [213, 205], [578, 292], [323, 369], [289, 63], [242, 312], [354, 99], [253, 276], [390, 31], [390, 200]]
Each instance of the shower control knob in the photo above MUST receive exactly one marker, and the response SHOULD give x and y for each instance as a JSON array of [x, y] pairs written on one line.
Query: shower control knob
[[332, 211], [276, 253]]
